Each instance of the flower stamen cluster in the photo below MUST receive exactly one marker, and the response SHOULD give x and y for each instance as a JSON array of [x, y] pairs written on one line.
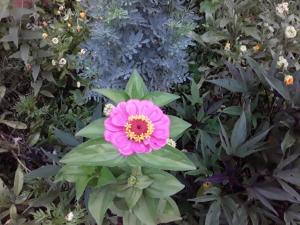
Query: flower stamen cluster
[[138, 128]]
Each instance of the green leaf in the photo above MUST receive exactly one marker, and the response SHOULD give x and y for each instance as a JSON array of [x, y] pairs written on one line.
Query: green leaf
[[136, 87], [233, 110], [252, 31], [14, 124], [213, 215], [167, 211], [213, 37], [239, 133], [163, 185], [80, 185], [99, 202], [94, 130], [167, 158], [161, 98], [43, 171], [65, 137], [143, 182], [143, 212], [229, 84], [178, 126], [132, 196], [18, 181], [114, 95], [106, 177], [95, 152], [130, 219]]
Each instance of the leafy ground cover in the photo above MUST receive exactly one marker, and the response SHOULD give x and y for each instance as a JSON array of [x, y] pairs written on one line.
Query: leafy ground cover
[[231, 76]]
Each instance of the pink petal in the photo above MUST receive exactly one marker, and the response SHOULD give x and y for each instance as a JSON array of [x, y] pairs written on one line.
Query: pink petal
[[155, 114], [108, 135], [109, 125], [139, 147], [156, 143], [126, 151], [132, 107]]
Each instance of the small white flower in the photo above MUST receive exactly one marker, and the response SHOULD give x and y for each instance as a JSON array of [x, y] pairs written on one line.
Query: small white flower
[[53, 62], [282, 63], [243, 48], [290, 32], [70, 216], [171, 142], [78, 84], [55, 41], [282, 8], [61, 8], [108, 108], [82, 51], [227, 46], [62, 62]]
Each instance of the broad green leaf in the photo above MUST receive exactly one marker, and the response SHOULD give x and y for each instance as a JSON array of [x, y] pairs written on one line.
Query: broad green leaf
[[43, 171], [99, 202], [130, 219], [114, 95], [143, 212], [94, 130], [132, 196], [80, 185], [34, 138], [167, 158], [161, 98], [178, 126], [252, 31], [143, 182], [167, 211], [163, 185], [214, 36], [213, 215], [95, 152], [229, 84], [14, 124], [136, 87], [18, 181], [106, 177], [65, 137], [239, 133]]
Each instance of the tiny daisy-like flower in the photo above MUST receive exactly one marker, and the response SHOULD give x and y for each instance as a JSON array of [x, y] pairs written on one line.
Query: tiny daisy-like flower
[[55, 41], [53, 62], [290, 32], [78, 84], [288, 80], [61, 8], [172, 143], [62, 62], [44, 35], [82, 51], [227, 46], [243, 48], [282, 63], [108, 108], [137, 126], [69, 217]]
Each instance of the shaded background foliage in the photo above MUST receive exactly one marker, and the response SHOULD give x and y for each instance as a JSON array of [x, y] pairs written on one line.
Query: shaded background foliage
[[245, 134]]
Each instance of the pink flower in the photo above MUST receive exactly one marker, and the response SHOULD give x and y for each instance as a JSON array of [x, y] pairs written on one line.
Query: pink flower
[[137, 126]]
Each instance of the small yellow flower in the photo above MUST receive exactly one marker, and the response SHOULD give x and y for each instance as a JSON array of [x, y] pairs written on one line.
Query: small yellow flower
[[69, 25], [206, 185], [45, 35], [82, 15], [288, 80], [257, 48]]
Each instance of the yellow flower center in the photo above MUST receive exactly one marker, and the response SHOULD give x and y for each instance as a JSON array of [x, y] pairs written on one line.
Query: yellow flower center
[[138, 128]]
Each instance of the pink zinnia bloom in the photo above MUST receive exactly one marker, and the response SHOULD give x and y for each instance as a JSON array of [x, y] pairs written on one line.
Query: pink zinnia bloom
[[137, 126]]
